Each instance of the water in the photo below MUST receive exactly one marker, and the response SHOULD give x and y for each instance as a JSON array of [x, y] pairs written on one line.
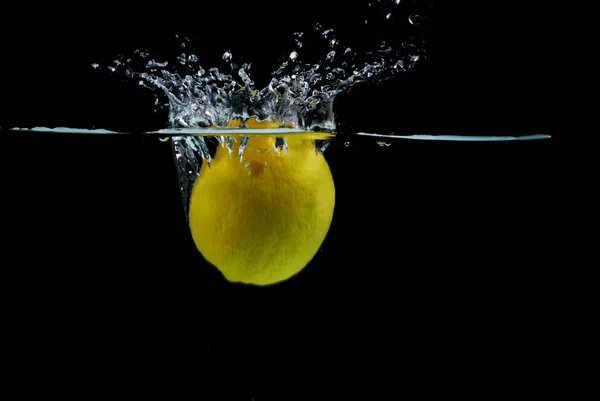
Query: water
[[428, 238], [298, 94], [207, 104]]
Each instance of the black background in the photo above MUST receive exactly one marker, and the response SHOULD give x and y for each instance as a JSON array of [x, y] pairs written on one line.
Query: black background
[[444, 259]]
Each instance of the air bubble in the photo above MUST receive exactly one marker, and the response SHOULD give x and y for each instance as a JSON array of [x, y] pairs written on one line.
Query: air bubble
[[321, 145], [415, 19], [281, 144]]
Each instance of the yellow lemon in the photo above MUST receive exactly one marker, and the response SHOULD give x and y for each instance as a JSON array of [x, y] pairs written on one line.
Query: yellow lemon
[[260, 218]]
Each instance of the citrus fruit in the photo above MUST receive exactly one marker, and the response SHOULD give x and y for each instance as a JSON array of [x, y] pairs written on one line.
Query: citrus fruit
[[260, 217]]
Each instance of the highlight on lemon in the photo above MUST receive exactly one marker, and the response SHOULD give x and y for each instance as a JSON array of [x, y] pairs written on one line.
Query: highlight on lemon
[[259, 214]]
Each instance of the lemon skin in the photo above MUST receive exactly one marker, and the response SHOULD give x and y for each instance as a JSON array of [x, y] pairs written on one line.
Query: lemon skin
[[262, 217]]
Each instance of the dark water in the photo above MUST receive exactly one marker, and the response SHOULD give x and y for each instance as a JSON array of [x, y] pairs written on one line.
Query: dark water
[[439, 255], [430, 244]]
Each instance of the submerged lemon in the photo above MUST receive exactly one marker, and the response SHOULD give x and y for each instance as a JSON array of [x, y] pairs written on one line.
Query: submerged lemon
[[261, 218]]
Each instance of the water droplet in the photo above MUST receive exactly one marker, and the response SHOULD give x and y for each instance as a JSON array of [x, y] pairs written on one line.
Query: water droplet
[[365, 21], [399, 65], [227, 56], [185, 41], [347, 144], [164, 139], [244, 75], [95, 66], [397, 1], [388, 16], [318, 26], [382, 143], [299, 34], [298, 44], [415, 19], [156, 64], [413, 59], [294, 55], [348, 50], [330, 55]]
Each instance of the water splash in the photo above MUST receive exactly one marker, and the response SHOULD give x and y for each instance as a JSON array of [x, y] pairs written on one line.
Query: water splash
[[188, 151], [299, 94]]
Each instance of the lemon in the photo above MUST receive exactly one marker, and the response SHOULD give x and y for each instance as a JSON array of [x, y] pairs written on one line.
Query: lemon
[[260, 218]]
